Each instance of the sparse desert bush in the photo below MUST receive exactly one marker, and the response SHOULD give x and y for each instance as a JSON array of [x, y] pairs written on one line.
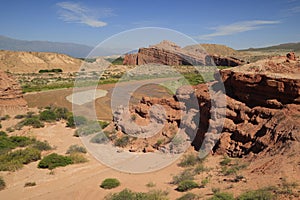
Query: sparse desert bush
[[48, 116], [42, 146], [188, 160], [257, 194], [129, 195], [100, 138], [123, 141], [2, 184], [103, 124], [204, 182], [186, 185], [200, 168], [31, 121], [222, 196], [76, 149], [62, 113], [21, 141], [54, 160], [226, 161], [10, 129], [29, 184], [74, 121], [19, 116], [6, 117], [188, 196], [3, 133], [14, 160], [89, 128], [110, 183], [78, 158], [151, 184], [184, 175]]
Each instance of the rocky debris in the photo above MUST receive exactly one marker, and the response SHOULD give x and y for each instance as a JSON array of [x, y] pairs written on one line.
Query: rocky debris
[[168, 53], [291, 56], [11, 96]]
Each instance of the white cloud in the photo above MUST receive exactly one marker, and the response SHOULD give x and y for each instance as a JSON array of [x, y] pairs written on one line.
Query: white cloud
[[294, 10], [237, 27], [76, 13]]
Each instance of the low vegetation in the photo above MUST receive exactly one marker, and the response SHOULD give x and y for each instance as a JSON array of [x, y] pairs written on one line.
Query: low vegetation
[[30, 184], [76, 149], [183, 176], [231, 167], [186, 185], [189, 160], [222, 196], [130, 195], [15, 160], [188, 196], [110, 183], [2, 184], [122, 141], [54, 160], [50, 71]]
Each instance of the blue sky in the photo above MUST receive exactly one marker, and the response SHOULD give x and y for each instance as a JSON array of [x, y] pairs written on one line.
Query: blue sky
[[236, 23]]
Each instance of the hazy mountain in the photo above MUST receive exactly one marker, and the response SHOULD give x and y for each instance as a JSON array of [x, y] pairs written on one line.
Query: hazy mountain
[[281, 47], [75, 50]]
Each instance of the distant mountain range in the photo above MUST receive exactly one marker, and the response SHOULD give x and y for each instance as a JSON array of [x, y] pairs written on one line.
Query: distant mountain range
[[281, 47], [74, 50], [82, 51]]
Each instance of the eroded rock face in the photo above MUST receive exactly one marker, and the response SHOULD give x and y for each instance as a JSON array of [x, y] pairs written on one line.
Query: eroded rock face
[[168, 53], [11, 97], [261, 110], [291, 56]]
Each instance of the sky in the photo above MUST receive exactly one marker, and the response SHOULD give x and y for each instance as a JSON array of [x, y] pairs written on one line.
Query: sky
[[239, 24]]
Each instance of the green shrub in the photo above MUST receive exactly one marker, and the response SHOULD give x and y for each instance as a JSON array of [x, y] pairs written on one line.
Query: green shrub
[[77, 158], [89, 128], [127, 194], [74, 121], [3, 133], [29, 184], [188, 196], [31, 121], [10, 129], [48, 116], [103, 124], [200, 168], [222, 196], [150, 184], [110, 183], [186, 185], [42, 146], [21, 141], [62, 113], [54, 160], [100, 138], [226, 161], [76, 149], [123, 141], [185, 175], [2, 184], [14, 160], [257, 195], [188, 160], [204, 182]]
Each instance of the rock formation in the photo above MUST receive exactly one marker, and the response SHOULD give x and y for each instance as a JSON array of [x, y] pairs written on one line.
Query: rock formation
[[262, 109], [11, 97], [168, 53]]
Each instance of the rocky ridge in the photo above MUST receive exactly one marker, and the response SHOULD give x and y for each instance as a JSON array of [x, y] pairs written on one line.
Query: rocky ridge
[[168, 53], [262, 110], [11, 96]]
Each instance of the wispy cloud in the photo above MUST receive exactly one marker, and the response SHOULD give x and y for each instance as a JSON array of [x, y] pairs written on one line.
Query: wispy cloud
[[235, 28], [294, 10], [77, 13]]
